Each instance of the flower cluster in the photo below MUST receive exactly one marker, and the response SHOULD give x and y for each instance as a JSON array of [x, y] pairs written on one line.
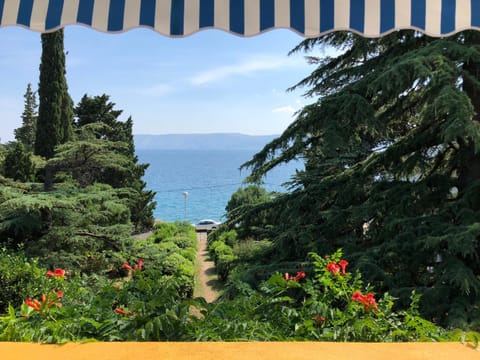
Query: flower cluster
[[339, 268], [368, 300], [48, 301], [57, 273], [300, 275], [136, 267]]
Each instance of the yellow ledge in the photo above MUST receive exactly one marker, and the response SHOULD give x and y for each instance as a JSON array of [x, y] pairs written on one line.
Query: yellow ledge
[[239, 351]]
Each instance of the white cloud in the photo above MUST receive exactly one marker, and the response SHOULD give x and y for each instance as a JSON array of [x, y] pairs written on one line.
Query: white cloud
[[244, 68], [285, 109]]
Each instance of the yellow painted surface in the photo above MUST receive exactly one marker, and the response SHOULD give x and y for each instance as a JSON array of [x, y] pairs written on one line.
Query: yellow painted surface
[[239, 351]]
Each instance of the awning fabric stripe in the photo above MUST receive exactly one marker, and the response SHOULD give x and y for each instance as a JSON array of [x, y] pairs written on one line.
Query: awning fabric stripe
[[309, 18]]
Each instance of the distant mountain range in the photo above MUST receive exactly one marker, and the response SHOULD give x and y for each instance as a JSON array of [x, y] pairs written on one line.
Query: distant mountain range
[[220, 141]]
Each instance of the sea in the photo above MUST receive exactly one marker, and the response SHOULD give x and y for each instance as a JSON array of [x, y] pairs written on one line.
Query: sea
[[192, 185]]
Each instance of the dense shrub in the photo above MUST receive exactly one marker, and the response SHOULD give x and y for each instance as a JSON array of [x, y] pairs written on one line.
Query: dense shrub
[[189, 253], [166, 231], [250, 250], [184, 241], [176, 264], [224, 258], [229, 237], [163, 231], [19, 277], [168, 247], [171, 251]]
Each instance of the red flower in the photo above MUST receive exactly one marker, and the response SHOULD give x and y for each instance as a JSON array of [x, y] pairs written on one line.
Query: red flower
[[57, 273], [319, 319], [368, 300], [136, 267], [123, 312], [343, 264], [371, 302], [333, 268], [139, 265], [47, 301], [300, 275], [34, 304], [357, 296], [128, 267]]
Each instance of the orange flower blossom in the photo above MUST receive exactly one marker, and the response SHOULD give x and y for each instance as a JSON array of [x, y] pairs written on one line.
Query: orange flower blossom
[[335, 268], [368, 300], [57, 273], [136, 267], [300, 275], [123, 312], [47, 301]]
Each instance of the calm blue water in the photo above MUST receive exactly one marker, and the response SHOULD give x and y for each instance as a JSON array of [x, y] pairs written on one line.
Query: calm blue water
[[209, 177]]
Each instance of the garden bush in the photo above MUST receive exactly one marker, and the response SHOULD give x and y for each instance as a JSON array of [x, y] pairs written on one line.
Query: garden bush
[[328, 304], [184, 241], [168, 247], [250, 250], [19, 277], [229, 237], [164, 231], [224, 258]]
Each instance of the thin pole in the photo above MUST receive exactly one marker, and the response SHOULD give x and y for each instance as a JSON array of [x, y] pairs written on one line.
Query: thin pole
[[185, 195]]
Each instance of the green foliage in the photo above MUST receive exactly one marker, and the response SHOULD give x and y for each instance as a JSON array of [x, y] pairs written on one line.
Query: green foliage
[[229, 237], [172, 248], [224, 258], [97, 116], [147, 306], [239, 211], [19, 278], [391, 167], [86, 161], [66, 227], [318, 307], [252, 250], [181, 233], [163, 231], [18, 164]]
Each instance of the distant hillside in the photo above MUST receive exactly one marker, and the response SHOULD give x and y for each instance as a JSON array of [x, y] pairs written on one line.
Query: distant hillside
[[202, 142]]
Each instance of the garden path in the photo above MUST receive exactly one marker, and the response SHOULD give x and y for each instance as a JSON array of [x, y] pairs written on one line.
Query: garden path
[[207, 283]]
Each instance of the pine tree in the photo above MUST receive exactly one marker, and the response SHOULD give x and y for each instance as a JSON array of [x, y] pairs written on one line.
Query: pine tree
[[26, 133], [55, 115], [18, 164], [392, 173], [99, 113]]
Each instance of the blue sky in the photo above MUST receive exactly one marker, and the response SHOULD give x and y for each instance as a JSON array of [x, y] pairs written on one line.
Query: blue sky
[[209, 82]]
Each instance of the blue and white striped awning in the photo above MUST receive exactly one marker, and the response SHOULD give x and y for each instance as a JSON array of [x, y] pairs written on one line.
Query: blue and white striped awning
[[246, 17]]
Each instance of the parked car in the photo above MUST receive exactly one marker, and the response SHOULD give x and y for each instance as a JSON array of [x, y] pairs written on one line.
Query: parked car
[[206, 225]]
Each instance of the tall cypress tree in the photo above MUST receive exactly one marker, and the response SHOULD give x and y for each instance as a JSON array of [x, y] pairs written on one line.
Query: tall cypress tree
[[55, 115], [392, 176]]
